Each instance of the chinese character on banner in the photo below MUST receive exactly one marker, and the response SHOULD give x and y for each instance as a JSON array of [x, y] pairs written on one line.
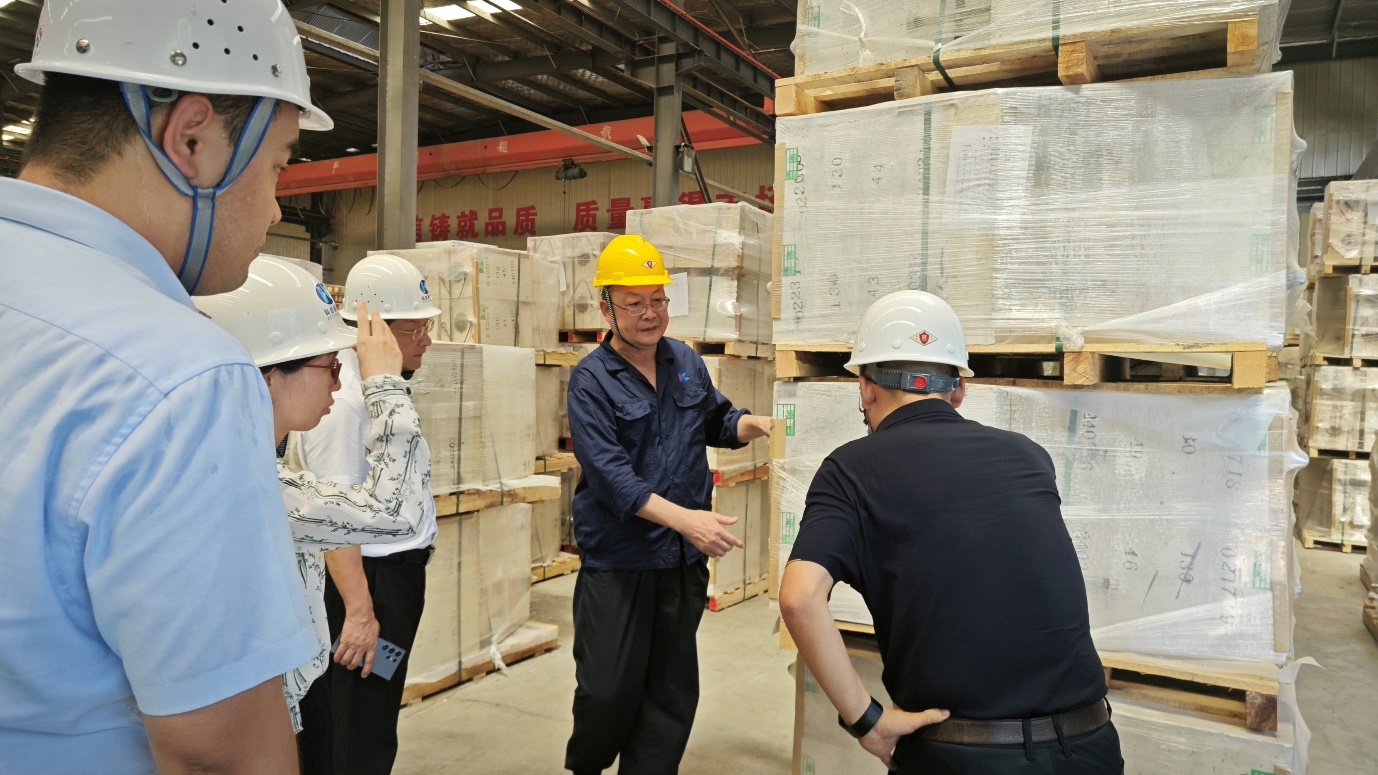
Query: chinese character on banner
[[466, 224], [586, 216], [766, 194], [440, 227], [647, 202], [617, 213], [728, 198], [496, 225], [691, 198], [526, 222], [419, 238]]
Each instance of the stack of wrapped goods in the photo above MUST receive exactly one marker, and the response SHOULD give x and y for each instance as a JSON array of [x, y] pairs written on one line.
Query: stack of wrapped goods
[[1368, 569], [1121, 256], [1339, 358]]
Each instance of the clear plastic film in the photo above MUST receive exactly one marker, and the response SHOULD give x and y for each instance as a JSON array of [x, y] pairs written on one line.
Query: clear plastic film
[[1370, 563], [719, 254], [748, 383], [1349, 225], [477, 406], [749, 502], [1342, 414], [489, 295], [1332, 499], [1179, 507], [837, 34], [575, 257], [547, 526], [1346, 316], [551, 406], [1147, 212]]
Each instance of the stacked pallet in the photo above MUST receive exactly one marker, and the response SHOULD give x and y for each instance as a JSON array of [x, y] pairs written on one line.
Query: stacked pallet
[[1121, 256], [1368, 570]]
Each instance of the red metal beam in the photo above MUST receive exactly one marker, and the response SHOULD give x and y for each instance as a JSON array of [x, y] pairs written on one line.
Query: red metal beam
[[503, 154]]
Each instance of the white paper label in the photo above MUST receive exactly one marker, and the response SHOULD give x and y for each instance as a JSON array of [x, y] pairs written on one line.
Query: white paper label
[[678, 294], [564, 284], [987, 169]]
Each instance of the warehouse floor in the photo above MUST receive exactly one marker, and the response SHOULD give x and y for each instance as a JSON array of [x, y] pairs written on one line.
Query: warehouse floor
[[518, 723]]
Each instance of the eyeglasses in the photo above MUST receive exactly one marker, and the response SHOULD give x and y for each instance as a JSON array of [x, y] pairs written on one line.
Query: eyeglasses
[[638, 309], [334, 367], [417, 333]]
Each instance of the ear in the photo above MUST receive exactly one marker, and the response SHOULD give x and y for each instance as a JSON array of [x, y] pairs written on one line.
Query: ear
[[959, 394], [189, 139]]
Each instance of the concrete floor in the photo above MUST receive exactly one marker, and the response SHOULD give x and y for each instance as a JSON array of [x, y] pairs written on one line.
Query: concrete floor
[[517, 724]]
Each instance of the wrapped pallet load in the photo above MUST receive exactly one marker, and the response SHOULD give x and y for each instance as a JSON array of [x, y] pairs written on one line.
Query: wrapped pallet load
[[575, 257], [1142, 212], [1349, 224], [746, 382], [1332, 502]]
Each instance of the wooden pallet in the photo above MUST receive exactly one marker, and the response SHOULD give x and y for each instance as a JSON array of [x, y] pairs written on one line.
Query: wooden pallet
[[1214, 45], [1334, 270], [1365, 580], [562, 565], [1371, 617], [1132, 366], [1312, 540], [1337, 454], [759, 472], [1319, 359], [477, 500], [734, 347], [1244, 691], [737, 595], [556, 358], [337, 292], [556, 463], [530, 640]]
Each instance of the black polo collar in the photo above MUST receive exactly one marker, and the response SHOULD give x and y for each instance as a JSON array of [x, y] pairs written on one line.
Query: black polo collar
[[926, 409]]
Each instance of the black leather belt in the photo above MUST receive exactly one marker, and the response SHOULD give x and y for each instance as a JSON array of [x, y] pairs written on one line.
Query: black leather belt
[[1074, 723], [409, 557]]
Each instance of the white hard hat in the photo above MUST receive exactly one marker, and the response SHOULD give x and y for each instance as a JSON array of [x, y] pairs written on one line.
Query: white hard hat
[[280, 314], [391, 286], [910, 326], [244, 47]]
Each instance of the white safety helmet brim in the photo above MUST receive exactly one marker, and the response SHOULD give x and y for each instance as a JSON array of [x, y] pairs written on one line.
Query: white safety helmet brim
[[912, 326], [391, 286], [249, 48]]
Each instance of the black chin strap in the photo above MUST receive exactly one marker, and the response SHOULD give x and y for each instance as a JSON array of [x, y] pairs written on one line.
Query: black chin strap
[[612, 315]]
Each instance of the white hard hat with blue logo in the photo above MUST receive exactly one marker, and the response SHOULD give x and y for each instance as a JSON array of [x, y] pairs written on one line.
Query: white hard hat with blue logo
[[391, 286]]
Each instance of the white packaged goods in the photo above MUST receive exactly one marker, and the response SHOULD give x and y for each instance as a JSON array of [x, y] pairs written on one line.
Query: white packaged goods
[[547, 527], [1145, 212], [1343, 410], [478, 591], [748, 383], [477, 406], [1179, 507], [1332, 500], [1154, 740], [749, 502], [488, 295], [837, 34], [719, 256], [550, 409], [1350, 223], [576, 258], [1346, 316], [1370, 564]]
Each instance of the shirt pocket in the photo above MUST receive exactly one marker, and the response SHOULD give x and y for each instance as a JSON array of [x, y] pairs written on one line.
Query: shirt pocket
[[689, 402], [632, 413]]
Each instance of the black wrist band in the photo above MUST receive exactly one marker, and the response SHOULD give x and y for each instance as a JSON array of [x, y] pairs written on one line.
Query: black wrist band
[[866, 723]]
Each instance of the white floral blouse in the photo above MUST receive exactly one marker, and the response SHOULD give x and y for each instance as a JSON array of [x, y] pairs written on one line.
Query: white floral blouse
[[326, 516]]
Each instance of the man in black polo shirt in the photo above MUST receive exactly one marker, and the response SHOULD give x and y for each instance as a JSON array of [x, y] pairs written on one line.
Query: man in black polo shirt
[[953, 534]]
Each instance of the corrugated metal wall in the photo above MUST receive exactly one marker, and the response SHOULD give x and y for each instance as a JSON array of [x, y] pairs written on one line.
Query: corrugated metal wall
[[278, 244], [503, 209], [1336, 113]]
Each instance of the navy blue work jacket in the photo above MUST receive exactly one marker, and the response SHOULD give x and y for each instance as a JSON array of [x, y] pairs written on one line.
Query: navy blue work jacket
[[631, 441]]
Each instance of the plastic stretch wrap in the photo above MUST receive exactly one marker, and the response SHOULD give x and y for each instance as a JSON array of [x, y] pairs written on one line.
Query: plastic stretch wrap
[[547, 525], [837, 34], [719, 256], [551, 407], [1350, 223], [575, 257], [1180, 507], [477, 405], [568, 481], [1154, 212], [1332, 499], [478, 591], [489, 295], [564, 402], [749, 502], [1343, 410], [1291, 371], [1346, 316], [1371, 555], [748, 383], [1155, 740]]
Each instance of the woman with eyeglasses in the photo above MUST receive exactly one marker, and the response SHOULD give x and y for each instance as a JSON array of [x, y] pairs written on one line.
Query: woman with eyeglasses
[[293, 331]]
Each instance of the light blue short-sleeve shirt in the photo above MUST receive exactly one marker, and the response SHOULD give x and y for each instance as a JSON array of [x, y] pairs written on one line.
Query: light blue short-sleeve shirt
[[148, 564]]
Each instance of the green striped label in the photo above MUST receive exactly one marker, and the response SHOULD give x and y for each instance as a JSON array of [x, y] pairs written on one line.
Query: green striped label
[[792, 164], [786, 412], [791, 262]]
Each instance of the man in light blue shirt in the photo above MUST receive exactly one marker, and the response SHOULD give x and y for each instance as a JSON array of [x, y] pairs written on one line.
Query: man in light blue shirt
[[150, 601]]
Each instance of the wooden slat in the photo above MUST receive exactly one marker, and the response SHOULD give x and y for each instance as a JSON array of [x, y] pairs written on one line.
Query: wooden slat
[[477, 500]]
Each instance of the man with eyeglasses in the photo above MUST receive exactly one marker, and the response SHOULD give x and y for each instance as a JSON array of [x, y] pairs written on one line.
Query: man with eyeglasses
[[349, 717], [642, 410]]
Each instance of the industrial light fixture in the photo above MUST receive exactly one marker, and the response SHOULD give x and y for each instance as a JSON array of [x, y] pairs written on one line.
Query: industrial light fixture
[[449, 12], [4, 3], [302, 158], [351, 150], [570, 171], [507, 5], [20, 129]]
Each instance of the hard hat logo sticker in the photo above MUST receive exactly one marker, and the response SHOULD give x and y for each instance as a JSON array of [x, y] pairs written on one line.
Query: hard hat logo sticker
[[650, 264], [425, 292], [324, 295], [924, 338]]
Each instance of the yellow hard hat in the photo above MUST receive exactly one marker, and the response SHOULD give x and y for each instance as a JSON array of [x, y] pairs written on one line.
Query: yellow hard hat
[[631, 260]]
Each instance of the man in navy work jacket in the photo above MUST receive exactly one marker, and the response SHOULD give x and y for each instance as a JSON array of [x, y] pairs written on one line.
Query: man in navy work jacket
[[642, 411], [953, 534]]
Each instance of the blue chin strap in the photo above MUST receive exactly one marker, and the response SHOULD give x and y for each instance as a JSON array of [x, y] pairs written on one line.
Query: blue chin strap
[[140, 100]]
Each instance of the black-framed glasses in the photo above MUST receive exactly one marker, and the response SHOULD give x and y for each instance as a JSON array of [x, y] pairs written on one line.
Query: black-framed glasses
[[417, 333], [638, 309], [334, 367]]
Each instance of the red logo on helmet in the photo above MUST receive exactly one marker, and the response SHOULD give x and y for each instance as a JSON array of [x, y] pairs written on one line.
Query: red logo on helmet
[[650, 264], [920, 383], [924, 338]]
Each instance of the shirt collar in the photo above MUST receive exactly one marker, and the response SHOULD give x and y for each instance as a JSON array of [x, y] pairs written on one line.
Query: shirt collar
[[928, 409], [615, 362], [77, 220]]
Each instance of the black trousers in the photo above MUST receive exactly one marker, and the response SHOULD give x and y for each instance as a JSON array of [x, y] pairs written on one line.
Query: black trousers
[[1097, 753], [636, 661], [349, 724]]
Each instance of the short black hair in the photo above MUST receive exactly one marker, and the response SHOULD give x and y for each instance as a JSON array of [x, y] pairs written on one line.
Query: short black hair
[[82, 123], [289, 368]]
